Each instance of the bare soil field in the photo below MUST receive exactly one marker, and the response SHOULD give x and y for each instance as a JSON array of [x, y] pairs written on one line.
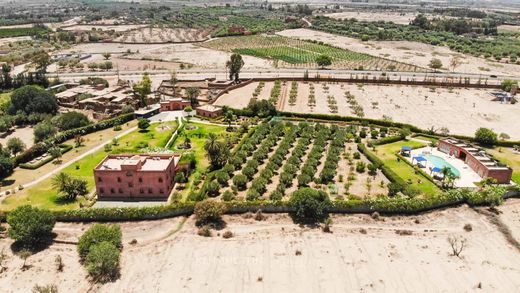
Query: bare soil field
[[198, 56], [164, 35], [117, 28], [6, 41], [461, 110], [388, 254], [395, 17], [414, 53], [515, 28], [24, 133]]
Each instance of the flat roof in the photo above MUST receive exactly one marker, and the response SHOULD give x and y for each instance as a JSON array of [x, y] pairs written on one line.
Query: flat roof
[[143, 162], [209, 108]]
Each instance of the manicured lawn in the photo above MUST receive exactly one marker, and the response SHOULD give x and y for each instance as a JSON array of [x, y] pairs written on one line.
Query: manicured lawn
[[387, 154], [43, 195], [156, 136], [510, 158], [434, 140]]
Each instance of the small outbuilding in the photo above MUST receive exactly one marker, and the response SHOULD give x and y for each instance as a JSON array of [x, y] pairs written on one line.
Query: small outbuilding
[[209, 111]]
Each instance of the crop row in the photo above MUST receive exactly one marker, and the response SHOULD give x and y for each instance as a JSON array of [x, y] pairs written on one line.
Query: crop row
[[336, 147], [258, 89], [309, 169], [292, 165], [259, 184], [258, 157], [293, 93], [275, 92]]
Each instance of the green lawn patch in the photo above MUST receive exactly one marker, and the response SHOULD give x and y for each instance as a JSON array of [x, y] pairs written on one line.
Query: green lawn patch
[[44, 196], [508, 157], [387, 153]]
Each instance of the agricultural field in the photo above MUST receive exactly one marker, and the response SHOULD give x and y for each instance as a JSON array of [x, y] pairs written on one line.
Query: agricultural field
[[410, 52], [116, 28], [294, 53], [280, 157], [395, 17], [500, 47], [425, 107], [43, 195], [21, 31], [164, 35]]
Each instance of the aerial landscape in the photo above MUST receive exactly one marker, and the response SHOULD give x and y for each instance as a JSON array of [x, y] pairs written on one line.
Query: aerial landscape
[[259, 146]]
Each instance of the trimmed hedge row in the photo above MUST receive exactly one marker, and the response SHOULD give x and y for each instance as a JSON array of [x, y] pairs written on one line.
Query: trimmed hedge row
[[386, 140], [384, 123], [42, 147], [389, 173], [489, 196], [64, 148]]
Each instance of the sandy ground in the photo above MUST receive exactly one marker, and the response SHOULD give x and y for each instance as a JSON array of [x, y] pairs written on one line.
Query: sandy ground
[[200, 57], [362, 254], [415, 53], [514, 28], [176, 53], [395, 17], [461, 110], [6, 41], [24, 133]]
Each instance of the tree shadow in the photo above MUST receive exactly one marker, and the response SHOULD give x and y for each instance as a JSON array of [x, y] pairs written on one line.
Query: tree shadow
[[19, 246], [216, 225], [312, 223], [8, 182]]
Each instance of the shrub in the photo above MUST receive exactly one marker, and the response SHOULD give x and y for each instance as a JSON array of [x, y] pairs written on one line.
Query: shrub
[[208, 211], [71, 120], [204, 231], [222, 177], [228, 234], [240, 181], [360, 167], [96, 234], [228, 196], [310, 204], [213, 188], [143, 123], [102, 261], [30, 225], [485, 136]]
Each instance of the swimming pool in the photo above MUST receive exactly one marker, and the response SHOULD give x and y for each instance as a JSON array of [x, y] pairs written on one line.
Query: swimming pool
[[441, 163]]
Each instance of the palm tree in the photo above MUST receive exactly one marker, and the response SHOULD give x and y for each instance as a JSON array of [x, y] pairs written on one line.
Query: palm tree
[[445, 171], [60, 181]]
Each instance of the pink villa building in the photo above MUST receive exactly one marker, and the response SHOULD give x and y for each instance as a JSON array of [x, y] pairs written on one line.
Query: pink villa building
[[476, 159], [136, 176]]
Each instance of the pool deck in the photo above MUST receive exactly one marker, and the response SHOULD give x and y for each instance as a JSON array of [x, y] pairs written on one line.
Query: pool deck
[[468, 177]]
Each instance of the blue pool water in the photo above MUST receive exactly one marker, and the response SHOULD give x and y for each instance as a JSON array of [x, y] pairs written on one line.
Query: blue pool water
[[440, 163]]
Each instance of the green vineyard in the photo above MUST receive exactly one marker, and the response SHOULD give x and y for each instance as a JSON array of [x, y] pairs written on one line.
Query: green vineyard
[[300, 53]]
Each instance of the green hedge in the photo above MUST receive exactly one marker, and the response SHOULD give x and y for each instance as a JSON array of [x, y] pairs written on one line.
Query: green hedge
[[42, 147], [387, 140], [384, 123], [64, 148], [397, 205], [389, 173]]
